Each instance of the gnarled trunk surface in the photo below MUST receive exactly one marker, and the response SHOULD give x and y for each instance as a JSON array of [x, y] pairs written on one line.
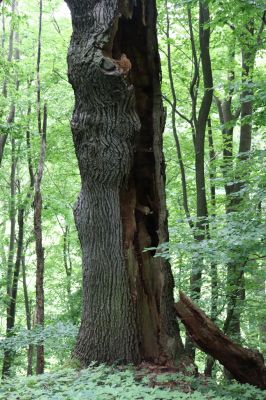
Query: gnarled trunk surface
[[114, 68]]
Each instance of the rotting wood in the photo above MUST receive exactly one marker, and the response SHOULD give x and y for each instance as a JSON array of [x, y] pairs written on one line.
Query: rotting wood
[[117, 124], [246, 366]]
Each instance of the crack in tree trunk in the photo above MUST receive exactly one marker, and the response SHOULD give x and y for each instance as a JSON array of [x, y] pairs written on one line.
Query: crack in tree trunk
[[128, 309]]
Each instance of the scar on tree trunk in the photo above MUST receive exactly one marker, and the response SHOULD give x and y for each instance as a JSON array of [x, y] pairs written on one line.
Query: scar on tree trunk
[[245, 365]]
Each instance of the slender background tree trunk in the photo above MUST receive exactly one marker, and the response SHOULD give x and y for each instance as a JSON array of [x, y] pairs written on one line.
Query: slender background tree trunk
[[38, 207]]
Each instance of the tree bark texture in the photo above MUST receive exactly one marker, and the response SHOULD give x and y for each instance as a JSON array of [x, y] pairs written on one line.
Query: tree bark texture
[[114, 68], [28, 315], [200, 119], [11, 310], [68, 269], [11, 114], [37, 219], [203, 114], [245, 365], [12, 218]]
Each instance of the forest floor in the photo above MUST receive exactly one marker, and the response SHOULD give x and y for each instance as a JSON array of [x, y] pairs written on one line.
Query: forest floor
[[111, 383]]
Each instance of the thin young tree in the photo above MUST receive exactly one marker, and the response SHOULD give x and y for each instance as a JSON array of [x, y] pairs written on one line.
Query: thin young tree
[[42, 126], [12, 109], [250, 41], [11, 268]]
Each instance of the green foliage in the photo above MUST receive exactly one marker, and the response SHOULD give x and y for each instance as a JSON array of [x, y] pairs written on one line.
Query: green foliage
[[58, 340], [59, 336], [101, 382], [60, 184], [237, 237]]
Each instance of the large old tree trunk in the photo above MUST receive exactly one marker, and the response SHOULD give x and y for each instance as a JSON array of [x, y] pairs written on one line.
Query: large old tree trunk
[[117, 124]]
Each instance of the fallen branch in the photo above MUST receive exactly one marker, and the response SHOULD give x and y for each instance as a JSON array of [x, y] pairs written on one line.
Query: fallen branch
[[246, 366]]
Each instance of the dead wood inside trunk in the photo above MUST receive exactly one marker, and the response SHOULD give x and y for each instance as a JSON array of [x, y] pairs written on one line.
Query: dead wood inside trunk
[[245, 365], [117, 124]]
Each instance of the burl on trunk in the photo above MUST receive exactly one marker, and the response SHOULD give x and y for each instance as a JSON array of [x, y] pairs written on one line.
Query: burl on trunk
[[114, 68]]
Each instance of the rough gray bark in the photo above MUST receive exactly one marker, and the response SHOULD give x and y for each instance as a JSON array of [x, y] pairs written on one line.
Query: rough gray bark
[[114, 68]]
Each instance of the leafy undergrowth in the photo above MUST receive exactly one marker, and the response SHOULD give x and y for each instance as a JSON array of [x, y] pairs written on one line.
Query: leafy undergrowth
[[104, 383]]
